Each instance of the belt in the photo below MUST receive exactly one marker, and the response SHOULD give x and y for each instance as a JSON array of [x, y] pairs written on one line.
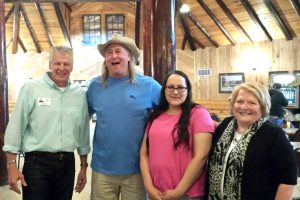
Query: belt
[[56, 155]]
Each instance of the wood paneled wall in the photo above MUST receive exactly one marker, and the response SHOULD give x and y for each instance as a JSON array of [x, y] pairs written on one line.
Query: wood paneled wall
[[254, 60]]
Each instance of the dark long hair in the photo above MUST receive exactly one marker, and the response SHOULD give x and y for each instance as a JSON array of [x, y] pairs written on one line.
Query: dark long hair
[[183, 122]]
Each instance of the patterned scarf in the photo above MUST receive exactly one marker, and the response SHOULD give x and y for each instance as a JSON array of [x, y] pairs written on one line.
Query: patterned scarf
[[234, 167]]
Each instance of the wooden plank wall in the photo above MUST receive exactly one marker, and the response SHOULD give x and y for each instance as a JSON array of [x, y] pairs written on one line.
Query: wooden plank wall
[[255, 60], [280, 55]]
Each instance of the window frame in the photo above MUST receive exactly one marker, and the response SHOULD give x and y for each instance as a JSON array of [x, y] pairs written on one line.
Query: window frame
[[113, 29], [92, 32]]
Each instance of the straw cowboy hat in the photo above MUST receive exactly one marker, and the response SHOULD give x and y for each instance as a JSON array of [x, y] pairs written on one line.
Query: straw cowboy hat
[[124, 41]]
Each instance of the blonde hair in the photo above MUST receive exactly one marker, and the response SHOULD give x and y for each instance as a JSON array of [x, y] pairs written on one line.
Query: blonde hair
[[61, 49], [259, 91], [131, 70]]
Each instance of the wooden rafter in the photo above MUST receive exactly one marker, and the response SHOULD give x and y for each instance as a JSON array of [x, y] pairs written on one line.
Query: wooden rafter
[[62, 23], [187, 32], [255, 18], [16, 27], [280, 22], [68, 7], [66, 1], [22, 45], [202, 29], [38, 7], [10, 41], [7, 16], [296, 6], [183, 43], [199, 43], [217, 22], [9, 13], [31, 30], [137, 23], [233, 19]]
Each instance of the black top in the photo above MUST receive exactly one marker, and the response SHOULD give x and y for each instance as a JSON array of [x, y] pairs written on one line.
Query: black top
[[277, 102], [269, 161]]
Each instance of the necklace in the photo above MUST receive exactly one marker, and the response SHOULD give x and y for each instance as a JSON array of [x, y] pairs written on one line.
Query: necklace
[[237, 137]]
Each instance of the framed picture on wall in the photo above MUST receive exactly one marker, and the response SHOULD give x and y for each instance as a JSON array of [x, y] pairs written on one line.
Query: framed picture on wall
[[227, 81]]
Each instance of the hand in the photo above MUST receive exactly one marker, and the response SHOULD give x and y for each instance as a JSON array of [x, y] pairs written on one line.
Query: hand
[[155, 194], [171, 195], [14, 175], [81, 180]]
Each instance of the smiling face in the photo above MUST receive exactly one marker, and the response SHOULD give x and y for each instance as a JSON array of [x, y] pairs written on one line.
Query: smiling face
[[176, 97], [246, 108], [117, 59], [61, 68]]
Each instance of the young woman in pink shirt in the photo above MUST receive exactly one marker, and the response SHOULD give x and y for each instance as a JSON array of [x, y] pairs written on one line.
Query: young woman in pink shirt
[[176, 144]]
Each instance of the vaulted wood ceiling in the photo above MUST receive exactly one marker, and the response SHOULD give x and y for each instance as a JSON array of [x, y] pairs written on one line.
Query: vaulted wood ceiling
[[209, 23]]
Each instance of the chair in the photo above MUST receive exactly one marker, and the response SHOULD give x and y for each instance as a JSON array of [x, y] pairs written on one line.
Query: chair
[[295, 137]]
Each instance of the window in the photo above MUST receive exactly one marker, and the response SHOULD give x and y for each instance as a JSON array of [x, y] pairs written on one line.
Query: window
[[91, 29], [114, 25]]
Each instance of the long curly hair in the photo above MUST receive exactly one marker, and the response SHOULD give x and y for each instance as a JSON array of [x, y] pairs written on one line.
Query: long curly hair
[[182, 125]]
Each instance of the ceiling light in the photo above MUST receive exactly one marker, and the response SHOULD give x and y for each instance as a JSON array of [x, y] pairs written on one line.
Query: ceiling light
[[184, 8]]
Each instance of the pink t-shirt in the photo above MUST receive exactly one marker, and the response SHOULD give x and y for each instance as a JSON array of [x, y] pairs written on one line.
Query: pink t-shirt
[[168, 165]]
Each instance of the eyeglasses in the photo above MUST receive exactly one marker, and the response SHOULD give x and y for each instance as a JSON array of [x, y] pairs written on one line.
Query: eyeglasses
[[179, 89]]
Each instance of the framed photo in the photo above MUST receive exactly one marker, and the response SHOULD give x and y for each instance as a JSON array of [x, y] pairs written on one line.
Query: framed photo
[[227, 81]]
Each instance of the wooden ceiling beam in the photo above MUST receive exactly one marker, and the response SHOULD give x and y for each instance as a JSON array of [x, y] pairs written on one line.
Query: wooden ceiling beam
[[217, 22], [233, 19], [296, 6], [199, 43], [16, 27], [183, 43], [137, 22], [40, 11], [62, 23], [65, 1], [202, 29], [255, 18], [187, 32], [10, 41], [30, 29], [68, 7], [7, 16], [280, 22], [22, 45], [9, 13]]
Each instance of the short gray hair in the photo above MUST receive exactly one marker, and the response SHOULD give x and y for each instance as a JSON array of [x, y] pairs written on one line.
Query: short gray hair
[[259, 91], [61, 49]]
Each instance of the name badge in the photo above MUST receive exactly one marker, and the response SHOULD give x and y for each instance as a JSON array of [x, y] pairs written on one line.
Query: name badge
[[44, 101]]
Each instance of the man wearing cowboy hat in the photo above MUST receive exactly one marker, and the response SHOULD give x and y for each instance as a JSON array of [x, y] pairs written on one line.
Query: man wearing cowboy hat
[[121, 100]]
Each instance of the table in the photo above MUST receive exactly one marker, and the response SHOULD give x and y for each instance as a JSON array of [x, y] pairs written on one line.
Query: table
[[290, 131], [296, 144]]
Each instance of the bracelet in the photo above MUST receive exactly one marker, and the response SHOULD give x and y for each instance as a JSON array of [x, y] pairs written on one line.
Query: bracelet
[[84, 164], [11, 162]]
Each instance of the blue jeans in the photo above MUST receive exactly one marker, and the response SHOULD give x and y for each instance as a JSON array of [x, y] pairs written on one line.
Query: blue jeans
[[48, 178]]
